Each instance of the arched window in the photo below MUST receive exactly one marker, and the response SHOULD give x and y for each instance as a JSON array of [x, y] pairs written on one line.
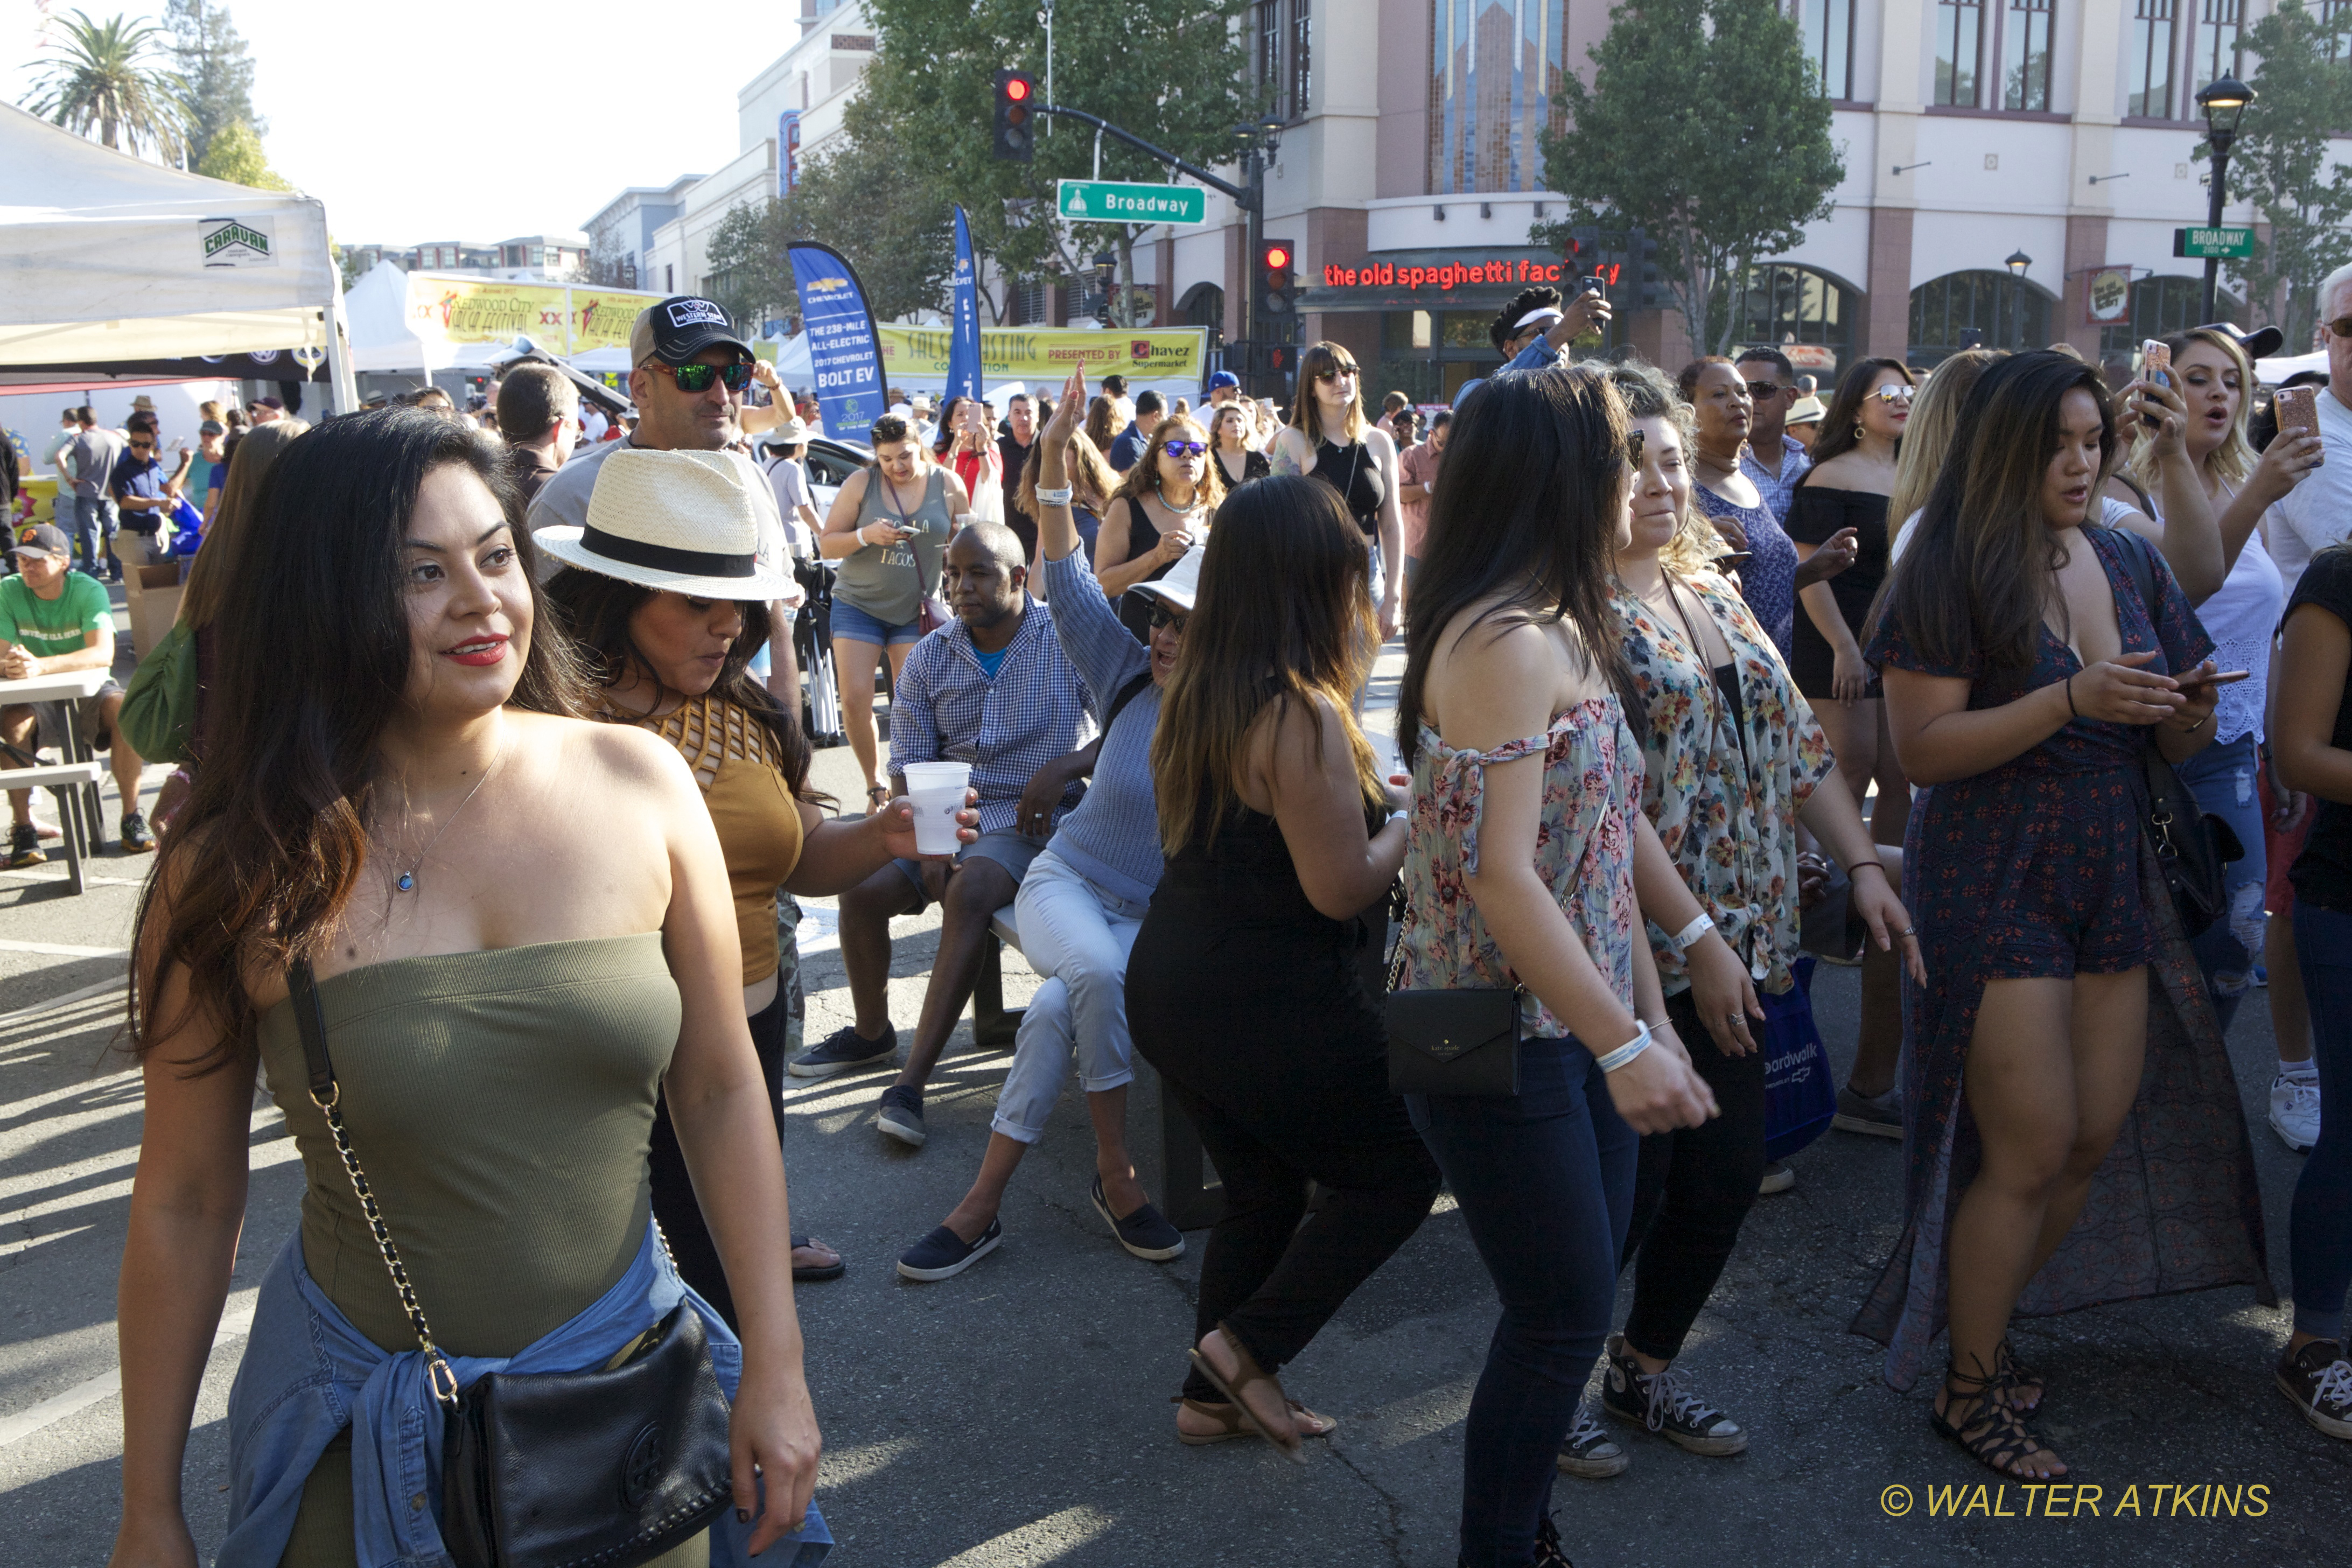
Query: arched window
[[1788, 306], [2004, 312], [2161, 306], [1204, 305]]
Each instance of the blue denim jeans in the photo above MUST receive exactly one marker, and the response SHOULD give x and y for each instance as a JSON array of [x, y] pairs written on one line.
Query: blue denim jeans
[[2221, 776], [93, 525], [1546, 1183], [2319, 1225]]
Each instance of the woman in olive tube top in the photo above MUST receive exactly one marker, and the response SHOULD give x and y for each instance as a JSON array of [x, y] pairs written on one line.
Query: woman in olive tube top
[[402, 789]]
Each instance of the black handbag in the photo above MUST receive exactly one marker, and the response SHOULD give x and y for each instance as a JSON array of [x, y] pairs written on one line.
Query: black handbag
[[607, 1468], [1461, 1042], [2190, 843]]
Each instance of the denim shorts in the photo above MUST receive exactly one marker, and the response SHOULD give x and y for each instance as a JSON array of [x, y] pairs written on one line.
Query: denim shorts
[[857, 625]]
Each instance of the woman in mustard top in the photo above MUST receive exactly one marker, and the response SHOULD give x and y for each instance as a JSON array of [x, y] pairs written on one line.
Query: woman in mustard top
[[669, 602]]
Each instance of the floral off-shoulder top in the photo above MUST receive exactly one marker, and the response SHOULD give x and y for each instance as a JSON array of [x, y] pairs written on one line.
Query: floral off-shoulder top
[[1724, 798], [1584, 853]]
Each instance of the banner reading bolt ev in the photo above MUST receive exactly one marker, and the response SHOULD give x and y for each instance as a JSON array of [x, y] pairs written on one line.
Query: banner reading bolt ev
[[842, 343], [963, 329]]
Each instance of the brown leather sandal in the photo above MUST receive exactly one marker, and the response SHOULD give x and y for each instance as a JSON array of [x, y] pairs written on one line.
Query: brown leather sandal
[[1248, 1376], [1231, 1425]]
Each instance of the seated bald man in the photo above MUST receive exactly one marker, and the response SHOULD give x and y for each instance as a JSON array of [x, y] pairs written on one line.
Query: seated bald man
[[993, 688]]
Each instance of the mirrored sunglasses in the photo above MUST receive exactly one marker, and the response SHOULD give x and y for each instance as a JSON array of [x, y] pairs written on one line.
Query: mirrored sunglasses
[[1894, 393], [1185, 448], [693, 378]]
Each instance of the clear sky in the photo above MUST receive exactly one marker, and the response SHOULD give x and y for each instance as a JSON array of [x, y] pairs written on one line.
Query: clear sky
[[475, 119]]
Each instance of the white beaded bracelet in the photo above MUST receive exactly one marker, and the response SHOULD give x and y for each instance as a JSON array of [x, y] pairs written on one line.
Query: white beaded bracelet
[[1056, 498], [1680, 942], [1628, 1051]]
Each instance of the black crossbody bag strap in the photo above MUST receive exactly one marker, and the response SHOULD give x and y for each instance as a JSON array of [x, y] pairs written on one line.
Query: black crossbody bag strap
[[1127, 694], [310, 1021]]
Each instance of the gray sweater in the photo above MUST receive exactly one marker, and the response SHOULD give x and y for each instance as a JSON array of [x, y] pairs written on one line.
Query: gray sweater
[[1112, 840]]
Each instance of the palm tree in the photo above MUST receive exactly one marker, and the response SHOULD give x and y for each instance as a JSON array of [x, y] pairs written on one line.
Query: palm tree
[[109, 77]]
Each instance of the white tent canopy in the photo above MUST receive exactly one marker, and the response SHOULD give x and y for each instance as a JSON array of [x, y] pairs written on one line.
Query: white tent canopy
[[105, 257]]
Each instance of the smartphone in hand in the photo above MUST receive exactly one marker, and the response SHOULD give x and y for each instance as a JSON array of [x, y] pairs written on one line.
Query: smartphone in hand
[[2297, 408], [2156, 361], [1593, 284]]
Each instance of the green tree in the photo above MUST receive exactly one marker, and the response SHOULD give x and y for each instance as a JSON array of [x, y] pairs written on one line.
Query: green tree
[[237, 157], [1705, 126], [112, 78], [866, 202], [216, 71], [2280, 163], [1174, 73]]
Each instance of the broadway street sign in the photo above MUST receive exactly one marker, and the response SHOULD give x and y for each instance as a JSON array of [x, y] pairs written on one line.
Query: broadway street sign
[[1117, 201], [2233, 244]]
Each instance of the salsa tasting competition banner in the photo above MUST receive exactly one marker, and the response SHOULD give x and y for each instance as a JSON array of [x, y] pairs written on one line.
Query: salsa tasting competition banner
[[1045, 356], [564, 319]]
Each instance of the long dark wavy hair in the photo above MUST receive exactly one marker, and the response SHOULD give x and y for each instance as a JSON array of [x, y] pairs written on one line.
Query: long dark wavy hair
[[1284, 613], [308, 674], [1976, 575], [596, 611], [1524, 521], [1839, 423]]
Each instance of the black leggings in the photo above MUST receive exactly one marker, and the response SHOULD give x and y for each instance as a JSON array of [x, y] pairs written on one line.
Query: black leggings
[[675, 1205], [1691, 1192]]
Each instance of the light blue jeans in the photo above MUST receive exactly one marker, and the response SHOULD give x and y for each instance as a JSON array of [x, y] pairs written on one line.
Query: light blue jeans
[[1078, 937], [2221, 776]]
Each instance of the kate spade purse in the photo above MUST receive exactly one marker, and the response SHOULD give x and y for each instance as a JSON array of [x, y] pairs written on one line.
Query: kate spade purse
[[606, 1468], [1454, 1042]]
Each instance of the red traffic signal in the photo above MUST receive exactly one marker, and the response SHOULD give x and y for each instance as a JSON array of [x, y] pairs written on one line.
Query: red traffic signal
[[1278, 277], [1015, 91], [1277, 256]]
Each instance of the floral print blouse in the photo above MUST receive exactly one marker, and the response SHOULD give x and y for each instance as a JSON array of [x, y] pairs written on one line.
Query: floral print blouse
[[1726, 814], [1584, 853]]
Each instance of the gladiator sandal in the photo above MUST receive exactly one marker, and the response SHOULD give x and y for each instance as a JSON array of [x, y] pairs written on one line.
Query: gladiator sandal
[[1994, 1434]]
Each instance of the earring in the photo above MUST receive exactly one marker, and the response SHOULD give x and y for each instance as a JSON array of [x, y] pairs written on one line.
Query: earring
[[1858, 431]]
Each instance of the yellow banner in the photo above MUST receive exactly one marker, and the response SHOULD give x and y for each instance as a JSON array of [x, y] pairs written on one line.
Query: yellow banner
[[559, 318], [1044, 356]]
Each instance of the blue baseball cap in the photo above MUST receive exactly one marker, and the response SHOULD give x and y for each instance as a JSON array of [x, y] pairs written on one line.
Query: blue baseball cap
[[1223, 378]]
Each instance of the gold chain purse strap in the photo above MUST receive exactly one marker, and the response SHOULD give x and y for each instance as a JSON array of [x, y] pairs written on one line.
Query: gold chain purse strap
[[310, 1019]]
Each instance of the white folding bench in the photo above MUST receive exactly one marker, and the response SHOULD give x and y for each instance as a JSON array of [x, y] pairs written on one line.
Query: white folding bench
[[67, 780]]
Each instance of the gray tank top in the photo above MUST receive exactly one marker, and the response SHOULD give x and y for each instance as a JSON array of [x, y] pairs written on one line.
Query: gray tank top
[[889, 580]]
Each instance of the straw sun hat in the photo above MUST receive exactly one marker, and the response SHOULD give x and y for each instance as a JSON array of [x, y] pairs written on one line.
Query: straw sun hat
[[684, 521]]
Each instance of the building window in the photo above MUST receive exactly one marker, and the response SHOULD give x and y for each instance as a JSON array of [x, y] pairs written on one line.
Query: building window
[[1024, 304], [2025, 55], [1994, 310], [2149, 69], [1302, 55], [1788, 307], [669, 279], [1828, 26], [2218, 24], [2161, 306], [1958, 25], [2335, 44], [1494, 68], [1269, 59]]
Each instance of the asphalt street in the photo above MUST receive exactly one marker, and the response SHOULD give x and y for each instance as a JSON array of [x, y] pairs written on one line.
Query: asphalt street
[[1019, 1414]]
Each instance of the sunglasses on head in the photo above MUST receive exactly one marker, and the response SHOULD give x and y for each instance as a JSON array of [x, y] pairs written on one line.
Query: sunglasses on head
[[698, 377], [1760, 390], [1895, 393], [1185, 448]]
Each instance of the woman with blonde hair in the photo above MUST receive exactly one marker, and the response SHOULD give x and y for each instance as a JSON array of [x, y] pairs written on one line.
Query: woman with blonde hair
[[1329, 437], [1231, 434], [1160, 510], [1927, 437]]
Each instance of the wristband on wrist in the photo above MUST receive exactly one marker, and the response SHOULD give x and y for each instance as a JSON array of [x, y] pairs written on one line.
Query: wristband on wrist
[[1054, 497], [2070, 709], [1873, 864], [1625, 1053], [1680, 942]]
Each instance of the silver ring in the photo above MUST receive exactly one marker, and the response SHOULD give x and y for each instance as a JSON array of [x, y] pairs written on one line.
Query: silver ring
[[1913, 931]]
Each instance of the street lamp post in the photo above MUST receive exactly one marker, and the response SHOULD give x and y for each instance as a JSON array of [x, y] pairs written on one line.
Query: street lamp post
[[2223, 102], [1259, 139], [2017, 263]]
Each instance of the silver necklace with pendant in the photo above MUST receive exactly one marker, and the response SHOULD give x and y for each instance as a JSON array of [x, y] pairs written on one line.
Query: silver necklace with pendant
[[405, 882]]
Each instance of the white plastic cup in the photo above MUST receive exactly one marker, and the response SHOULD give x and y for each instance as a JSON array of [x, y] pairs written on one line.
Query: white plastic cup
[[937, 790], [964, 520]]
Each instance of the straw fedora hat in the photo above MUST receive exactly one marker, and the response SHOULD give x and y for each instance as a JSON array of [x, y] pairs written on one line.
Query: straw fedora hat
[[684, 521]]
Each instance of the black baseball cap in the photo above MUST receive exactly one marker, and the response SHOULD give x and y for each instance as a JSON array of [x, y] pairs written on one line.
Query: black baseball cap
[[2260, 343], [43, 542], [679, 328]]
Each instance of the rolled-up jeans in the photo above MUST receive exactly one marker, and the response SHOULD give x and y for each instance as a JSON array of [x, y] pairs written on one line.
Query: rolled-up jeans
[[1077, 936], [2221, 776]]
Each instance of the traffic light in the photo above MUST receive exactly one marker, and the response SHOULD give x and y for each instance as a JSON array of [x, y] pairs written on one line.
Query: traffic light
[[1582, 249], [1277, 271], [1016, 97], [1649, 290]]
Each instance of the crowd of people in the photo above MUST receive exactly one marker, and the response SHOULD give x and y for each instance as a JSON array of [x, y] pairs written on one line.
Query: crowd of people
[[2028, 696]]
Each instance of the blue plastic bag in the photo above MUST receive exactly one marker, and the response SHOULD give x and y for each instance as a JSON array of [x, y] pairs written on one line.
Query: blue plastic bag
[[1798, 1098], [187, 528]]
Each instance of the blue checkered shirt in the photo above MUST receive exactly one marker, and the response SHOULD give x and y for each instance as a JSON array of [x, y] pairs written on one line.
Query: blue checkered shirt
[[1037, 709], [1795, 464]]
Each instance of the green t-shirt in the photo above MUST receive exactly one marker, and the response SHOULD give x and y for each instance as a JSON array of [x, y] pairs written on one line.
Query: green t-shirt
[[62, 625]]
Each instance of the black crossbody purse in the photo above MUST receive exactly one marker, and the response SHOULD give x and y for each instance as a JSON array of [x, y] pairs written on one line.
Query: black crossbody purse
[[1453, 1041], [607, 1468]]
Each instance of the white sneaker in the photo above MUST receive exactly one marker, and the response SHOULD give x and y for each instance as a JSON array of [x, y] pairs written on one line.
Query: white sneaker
[[2294, 1111]]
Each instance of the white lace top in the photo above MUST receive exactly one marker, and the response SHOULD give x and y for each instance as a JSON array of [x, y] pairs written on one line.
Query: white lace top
[[2241, 619]]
